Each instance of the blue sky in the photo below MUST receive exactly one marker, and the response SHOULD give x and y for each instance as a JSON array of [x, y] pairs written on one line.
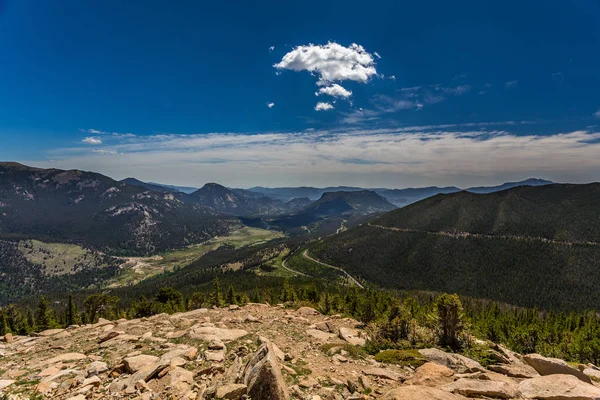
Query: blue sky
[[442, 92]]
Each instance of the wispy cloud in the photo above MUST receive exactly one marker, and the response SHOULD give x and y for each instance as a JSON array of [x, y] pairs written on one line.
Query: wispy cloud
[[597, 114], [461, 154], [511, 84], [105, 152], [271, 48], [94, 131], [91, 140]]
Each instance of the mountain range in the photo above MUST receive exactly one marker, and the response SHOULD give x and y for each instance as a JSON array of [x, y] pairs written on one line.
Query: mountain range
[[451, 241], [95, 210], [529, 246], [398, 197]]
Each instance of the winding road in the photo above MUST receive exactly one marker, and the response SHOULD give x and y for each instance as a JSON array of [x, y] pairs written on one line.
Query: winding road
[[283, 264], [305, 255], [484, 235], [357, 283]]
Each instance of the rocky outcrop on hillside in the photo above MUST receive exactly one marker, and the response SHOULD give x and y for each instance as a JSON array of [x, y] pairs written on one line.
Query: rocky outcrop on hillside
[[260, 352]]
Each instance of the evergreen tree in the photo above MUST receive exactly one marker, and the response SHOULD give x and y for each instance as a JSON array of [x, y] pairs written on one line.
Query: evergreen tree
[[72, 313], [3, 324], [30, 319], [45, 315], [172, 299], [99, 305], [450, 319], [231, 297], [197, 301], [326, 308], [217, 297]]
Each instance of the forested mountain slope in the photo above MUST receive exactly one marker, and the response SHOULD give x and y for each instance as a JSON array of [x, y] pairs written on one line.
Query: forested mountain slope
[[95, 210], [523, 246], [557, 212]]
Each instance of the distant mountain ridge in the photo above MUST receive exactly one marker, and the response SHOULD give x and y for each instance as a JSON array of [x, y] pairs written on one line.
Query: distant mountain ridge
[[149, 186], [237, 202], [335, 207], [509, 185], [398, 197]]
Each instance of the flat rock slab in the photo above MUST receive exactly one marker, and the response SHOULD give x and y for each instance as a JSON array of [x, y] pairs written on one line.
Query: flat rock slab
[[515, 370], [49, 332], [421, 393], [455, 362], [208, 333], [552, 366], [558, 387], [384, 373], [65, 357], [4, 383], [320, 335], [482, 388]]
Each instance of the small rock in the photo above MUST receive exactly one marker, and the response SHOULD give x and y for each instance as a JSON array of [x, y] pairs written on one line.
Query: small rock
[[232, 391], [137, 363], [352, 336], [307, 311]]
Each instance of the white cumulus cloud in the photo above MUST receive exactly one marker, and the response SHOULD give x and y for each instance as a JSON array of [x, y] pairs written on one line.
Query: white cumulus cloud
[[331, 62], [270, 105], [92, 140], [271, 48], [334, 90], [321, 106]]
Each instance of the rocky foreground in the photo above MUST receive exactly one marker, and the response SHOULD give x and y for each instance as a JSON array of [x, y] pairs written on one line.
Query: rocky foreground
[[260, 352]]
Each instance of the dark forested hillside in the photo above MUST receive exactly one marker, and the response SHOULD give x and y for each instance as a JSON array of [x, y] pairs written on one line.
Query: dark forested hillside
[[506, 258], [557, 212]]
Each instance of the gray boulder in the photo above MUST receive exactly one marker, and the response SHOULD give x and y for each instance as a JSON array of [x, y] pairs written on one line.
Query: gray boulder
[[262, 375]]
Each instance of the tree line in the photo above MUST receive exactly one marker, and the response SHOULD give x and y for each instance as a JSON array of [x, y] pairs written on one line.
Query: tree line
[[394, 320]]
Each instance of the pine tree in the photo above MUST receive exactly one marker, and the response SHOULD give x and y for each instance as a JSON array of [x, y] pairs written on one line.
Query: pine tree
[[326, 308], [30, 319], [450, 319], [217, 297], [72, 314], [3, 324], [45, 315], [231, 298]]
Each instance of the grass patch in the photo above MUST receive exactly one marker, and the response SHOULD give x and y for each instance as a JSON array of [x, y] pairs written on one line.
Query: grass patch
[[136, 269], [60, 258], [405, 358], [355, 352], [479, 354]]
